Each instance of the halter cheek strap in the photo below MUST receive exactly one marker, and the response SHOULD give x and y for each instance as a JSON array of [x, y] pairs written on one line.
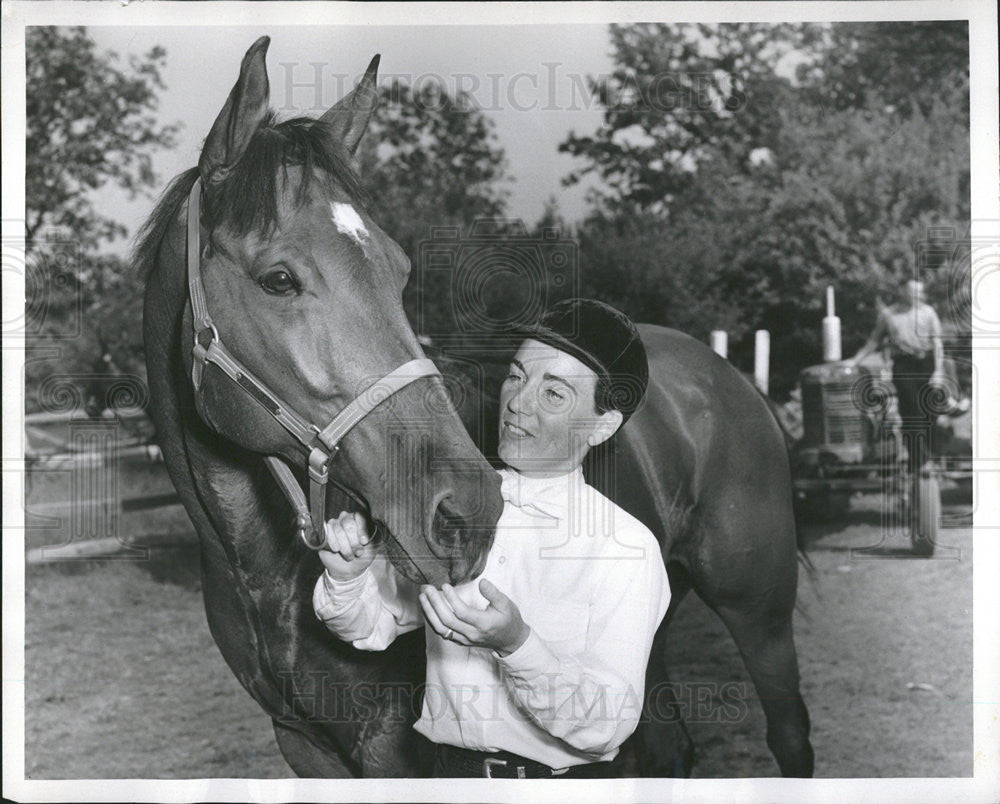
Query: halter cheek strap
[[319, 446]]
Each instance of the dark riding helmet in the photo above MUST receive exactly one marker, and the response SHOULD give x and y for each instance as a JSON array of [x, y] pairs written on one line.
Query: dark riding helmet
[[604, 339]]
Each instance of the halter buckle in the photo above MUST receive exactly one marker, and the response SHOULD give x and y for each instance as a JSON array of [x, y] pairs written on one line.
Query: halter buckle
[[319, 465], [199, 352]]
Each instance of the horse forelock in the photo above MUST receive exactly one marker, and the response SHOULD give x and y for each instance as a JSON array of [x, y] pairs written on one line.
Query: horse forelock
[[247, 199]]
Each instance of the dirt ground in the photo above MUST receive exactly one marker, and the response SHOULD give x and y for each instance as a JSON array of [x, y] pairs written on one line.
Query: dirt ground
[[124, 680]]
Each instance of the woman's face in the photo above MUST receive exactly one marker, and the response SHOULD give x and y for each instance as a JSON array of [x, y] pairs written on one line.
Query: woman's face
[[911, 293], [547, 416]]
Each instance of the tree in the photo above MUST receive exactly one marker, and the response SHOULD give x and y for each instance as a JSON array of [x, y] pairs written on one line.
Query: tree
[[87, 330], [904, 66], [89, 122], [854, 196], [739, 221], [681, 95], [431, 160]]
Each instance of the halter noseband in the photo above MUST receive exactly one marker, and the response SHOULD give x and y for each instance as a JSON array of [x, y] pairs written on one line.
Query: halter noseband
[[320, 446]]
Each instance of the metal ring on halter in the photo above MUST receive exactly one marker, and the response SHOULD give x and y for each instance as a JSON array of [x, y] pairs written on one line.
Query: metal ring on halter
[[311, 538]]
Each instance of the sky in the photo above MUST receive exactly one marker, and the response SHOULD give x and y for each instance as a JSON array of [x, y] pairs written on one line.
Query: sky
[[529, 79]]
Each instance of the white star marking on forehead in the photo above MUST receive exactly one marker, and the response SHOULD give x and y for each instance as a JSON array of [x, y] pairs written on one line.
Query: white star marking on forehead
[[348, 222]]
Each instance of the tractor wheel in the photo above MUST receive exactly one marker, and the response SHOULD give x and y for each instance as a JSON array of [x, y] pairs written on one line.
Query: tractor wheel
[[925, 526]]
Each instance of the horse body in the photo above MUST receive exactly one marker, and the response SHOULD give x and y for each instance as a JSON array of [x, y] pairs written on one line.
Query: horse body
[[702, 464]]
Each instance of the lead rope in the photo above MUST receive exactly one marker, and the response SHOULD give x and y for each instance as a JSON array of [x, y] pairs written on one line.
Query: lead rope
[[304, 525]]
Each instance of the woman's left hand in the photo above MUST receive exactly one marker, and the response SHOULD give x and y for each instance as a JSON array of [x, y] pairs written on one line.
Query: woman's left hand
[[499, 626]]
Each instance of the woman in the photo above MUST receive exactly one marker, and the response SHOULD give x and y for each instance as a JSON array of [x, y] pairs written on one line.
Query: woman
[[536, 669]]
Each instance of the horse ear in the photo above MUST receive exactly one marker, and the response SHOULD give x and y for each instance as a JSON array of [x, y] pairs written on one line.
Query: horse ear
[[349, 117], [245, 108]]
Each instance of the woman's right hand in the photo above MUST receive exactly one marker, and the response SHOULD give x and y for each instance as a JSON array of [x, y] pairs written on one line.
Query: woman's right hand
[[349, 549]]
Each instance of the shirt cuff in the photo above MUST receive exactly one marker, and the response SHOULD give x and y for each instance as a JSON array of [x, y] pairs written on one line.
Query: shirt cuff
[[347, 588], [531, 659]]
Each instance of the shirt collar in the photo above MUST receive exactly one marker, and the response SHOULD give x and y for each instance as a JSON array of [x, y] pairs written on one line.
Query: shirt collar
[[549, 496]]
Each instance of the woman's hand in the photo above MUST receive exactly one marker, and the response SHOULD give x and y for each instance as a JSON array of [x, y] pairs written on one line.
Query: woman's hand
[[349, 549], [499, 626]]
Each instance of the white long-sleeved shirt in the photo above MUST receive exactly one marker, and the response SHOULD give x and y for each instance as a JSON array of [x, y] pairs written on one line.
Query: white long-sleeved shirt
[[589, 581]]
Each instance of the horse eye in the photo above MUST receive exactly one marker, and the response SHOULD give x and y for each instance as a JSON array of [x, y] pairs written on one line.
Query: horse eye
[[279, 283]]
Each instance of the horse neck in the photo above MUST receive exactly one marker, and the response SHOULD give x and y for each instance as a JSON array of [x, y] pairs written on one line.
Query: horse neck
[[219, 483], [246, 540], [478, 376]]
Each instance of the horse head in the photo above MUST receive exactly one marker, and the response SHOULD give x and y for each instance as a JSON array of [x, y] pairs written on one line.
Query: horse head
[[306, 291]]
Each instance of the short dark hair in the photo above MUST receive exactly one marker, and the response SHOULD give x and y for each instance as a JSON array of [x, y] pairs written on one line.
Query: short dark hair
[[602, 395]]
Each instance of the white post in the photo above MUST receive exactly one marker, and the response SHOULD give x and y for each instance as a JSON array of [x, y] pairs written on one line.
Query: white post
[[761, 358], [720, 342], [831, 331]]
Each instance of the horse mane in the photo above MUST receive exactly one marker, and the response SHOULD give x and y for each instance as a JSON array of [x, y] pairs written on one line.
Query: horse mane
[[247, 199]]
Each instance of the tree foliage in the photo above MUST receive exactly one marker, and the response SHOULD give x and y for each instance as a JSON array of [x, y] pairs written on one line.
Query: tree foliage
[[431, 160], [736, 214], [744, 168], [681, 95], [90, 120], [904, 66]]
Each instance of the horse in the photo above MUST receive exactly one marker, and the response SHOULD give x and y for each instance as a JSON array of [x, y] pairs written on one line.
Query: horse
[[305, 289]]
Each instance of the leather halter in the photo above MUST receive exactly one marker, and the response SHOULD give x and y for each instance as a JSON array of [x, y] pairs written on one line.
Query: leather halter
[[318, 445]]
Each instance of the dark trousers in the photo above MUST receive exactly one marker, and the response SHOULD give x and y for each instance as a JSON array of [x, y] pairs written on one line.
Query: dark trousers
[[911, 377], [451, 762]]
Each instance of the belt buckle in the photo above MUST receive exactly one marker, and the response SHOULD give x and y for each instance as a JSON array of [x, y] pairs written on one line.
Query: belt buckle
[[492, 762]]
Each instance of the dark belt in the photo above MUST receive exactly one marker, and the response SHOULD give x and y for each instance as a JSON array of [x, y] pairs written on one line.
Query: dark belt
[[918, 356], [507, 765]]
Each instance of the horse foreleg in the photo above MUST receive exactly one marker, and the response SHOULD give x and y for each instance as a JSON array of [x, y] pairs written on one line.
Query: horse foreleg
[[661, 745], [765, 642], [306, 758]]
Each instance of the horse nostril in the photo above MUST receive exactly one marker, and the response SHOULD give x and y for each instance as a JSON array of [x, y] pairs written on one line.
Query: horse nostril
[[454, 539], [473, 570], [447, 528]]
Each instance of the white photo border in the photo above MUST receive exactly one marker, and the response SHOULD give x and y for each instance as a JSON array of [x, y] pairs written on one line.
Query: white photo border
[[983, 786]]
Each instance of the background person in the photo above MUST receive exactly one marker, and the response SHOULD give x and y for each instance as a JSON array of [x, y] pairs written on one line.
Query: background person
[[912, 331], [536, 669]]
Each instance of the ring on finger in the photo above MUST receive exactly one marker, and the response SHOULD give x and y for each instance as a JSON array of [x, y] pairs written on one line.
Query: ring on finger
[[449, 633]]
